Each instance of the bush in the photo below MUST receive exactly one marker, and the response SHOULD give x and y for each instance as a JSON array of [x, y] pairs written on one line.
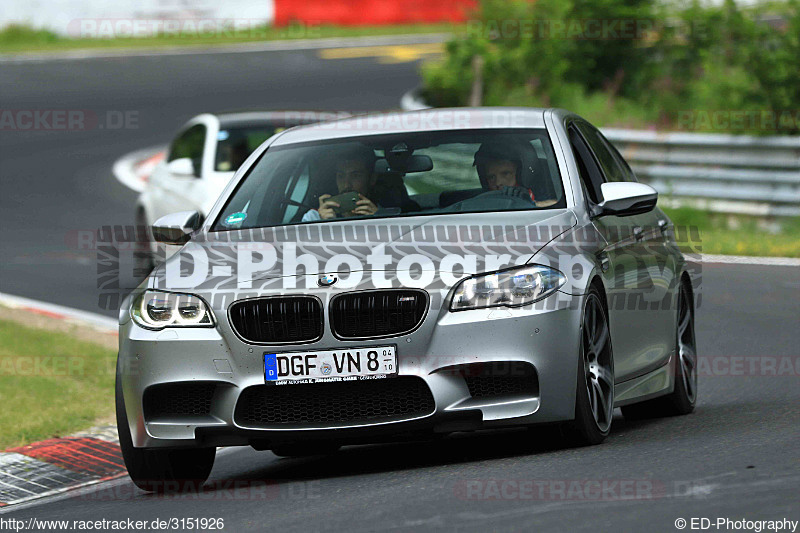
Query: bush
[[16, 34], [663, 66]]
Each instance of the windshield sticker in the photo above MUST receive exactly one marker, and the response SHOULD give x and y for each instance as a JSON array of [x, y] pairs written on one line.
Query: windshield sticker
[[235, 220], [223, 135]]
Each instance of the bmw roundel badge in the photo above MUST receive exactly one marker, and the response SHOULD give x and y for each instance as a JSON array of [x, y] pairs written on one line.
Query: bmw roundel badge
[[326, 280]]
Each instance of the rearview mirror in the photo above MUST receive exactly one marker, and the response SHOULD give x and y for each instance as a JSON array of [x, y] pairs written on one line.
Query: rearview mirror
[[177, 228], [414, 163], [625, 198], [181, 167]]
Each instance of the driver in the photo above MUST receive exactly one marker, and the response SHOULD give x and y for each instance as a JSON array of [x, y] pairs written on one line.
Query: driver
[[499, 170], [354, 173]]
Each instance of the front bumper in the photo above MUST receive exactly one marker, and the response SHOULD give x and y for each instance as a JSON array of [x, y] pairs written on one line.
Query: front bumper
[[544, 339]]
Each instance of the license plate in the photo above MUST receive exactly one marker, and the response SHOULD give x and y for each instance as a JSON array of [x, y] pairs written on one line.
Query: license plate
[[375, 362]]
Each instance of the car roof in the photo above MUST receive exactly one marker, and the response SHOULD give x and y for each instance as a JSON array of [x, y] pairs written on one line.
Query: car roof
[[285, 119], [440, 119]]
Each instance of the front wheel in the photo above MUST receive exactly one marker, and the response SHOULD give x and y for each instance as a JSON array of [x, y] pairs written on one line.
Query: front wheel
[[594, 398], [161, 470]]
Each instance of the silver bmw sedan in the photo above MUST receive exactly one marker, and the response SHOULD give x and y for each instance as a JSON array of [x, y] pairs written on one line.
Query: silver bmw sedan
[[405, 276]]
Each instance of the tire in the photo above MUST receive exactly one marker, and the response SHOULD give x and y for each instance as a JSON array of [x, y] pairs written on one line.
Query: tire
[[683, 398], [305, 450], [594, 397], [161, 470]]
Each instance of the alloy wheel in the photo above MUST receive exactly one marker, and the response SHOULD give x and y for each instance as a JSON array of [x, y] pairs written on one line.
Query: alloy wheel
[[687, 351], [598, 363]]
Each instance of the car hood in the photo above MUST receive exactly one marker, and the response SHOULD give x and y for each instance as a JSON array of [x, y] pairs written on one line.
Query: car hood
[[460, 245]]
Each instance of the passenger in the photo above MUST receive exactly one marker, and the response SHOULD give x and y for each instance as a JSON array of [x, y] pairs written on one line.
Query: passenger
[[354, 173]]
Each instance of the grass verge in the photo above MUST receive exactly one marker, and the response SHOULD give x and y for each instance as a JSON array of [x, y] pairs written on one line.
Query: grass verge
[[20, 39], [726, 234], [52, 383]]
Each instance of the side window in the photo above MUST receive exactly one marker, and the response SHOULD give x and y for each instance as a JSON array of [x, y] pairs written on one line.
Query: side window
[[189, 144], [599, 146], [590, 173], [626, 169]]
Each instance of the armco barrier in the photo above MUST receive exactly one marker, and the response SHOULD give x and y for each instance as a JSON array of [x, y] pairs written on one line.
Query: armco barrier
[[729, 173], [726, 173]]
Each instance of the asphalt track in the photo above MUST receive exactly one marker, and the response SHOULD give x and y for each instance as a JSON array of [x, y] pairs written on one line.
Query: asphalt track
[[737, 456], [56, 184]]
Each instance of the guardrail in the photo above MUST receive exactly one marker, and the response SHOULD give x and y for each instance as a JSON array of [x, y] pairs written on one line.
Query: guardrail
[[727, 173]]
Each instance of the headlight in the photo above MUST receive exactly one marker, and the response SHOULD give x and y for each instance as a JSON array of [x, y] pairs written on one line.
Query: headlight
[[157, 310], [507, 288]]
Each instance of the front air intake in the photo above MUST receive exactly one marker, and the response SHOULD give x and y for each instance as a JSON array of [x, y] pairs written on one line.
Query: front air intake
[[334, 404], [178, 400], [376, 314], [278, 319]]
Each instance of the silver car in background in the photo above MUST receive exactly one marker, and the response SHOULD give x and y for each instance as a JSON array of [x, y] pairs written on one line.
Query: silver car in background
[[402, 276]]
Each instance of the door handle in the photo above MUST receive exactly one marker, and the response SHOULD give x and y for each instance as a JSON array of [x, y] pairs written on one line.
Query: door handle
[[638, 234], [663, 225]]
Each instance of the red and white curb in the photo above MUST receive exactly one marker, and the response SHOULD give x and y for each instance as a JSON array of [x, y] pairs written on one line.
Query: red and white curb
[[57, 465], [134, 169]]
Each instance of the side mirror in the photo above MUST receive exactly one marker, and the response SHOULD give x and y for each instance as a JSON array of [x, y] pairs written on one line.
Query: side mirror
[[181, 167], [177, 228], [624, 198]]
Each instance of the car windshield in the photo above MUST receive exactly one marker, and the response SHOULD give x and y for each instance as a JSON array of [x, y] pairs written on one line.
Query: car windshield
[[235, 144], [396, 175]]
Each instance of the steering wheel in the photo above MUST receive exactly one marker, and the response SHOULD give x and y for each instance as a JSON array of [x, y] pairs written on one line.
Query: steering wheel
[[501, 199]]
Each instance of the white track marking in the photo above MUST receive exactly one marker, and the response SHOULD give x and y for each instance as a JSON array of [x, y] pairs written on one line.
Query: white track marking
[[125, 168], [95, 320], [745, 260]]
